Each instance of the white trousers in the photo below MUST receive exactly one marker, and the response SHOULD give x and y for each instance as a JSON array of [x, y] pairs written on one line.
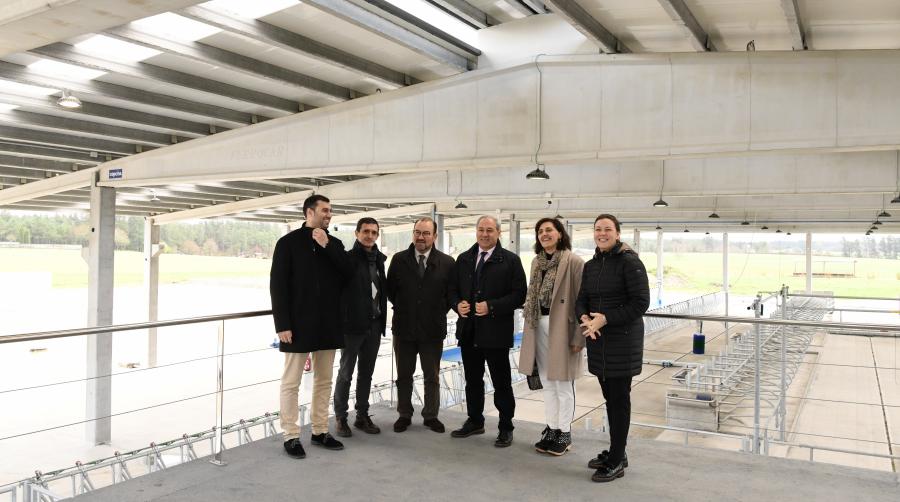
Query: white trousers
[[559, 395]]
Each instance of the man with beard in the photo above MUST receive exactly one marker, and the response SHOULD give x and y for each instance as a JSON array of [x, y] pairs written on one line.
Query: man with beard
[[309, 269], [418, 287]]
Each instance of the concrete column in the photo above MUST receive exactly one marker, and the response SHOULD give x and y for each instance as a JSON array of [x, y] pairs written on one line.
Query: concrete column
[[570, 229], [725, 285], [514, 227], [637, 240], [152, 251], [100, 313], [441, 242], [809, 262], [659, 267]]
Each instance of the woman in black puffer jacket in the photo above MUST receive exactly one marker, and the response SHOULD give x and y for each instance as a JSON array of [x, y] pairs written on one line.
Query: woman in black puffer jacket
[[613, 298]]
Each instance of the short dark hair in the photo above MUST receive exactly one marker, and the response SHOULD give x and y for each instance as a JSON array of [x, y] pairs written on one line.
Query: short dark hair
[[366, 220], [612, 218], [312, 201], [427, 218], [564, 241]]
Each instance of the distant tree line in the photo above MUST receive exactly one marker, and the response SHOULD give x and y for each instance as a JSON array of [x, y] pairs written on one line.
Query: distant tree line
[[882, 247], [212, 237]]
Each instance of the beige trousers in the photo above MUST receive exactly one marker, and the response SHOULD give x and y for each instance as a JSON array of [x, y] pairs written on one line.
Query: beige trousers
[[322, 367]]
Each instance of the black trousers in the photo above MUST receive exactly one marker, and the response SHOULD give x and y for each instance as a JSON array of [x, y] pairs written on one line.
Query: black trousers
[[363, 348], [429, 353], [617, 392], [498, 364]]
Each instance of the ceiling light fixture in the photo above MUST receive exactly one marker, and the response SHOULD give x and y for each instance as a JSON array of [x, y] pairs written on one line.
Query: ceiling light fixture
[[461, 205], [658, 227], [68, 100], [764, 227], [778, 231], [661, 202], [714, 214], [538, 173], [745, 223]]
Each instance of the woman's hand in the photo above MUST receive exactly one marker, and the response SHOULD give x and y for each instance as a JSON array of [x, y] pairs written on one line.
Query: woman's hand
[[575, 348], [593, 325]]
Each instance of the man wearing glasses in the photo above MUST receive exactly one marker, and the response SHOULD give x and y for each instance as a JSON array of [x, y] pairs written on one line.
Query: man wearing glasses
[[418, 281]]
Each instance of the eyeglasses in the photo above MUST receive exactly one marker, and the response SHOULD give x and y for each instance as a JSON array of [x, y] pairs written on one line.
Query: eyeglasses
[[419, 233]]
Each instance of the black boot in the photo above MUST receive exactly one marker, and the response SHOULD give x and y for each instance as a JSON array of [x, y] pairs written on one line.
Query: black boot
[[547, 437], [561, 443], [608, 472]]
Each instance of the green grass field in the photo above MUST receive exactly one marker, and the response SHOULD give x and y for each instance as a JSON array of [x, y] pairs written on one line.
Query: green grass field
[[700, 272]]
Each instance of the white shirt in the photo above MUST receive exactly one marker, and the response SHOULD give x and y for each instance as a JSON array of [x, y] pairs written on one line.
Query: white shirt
[[486, 257], [425, 254]]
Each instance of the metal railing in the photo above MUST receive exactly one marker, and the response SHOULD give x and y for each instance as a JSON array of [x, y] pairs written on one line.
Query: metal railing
[[123, 466]]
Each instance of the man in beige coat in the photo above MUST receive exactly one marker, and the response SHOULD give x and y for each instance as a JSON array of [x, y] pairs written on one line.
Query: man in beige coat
[[552, 342]]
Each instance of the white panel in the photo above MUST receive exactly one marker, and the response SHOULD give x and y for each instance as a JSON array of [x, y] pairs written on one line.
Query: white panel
[[398, 130], [793, 100], [450, 122], [507, 109], [351, 137], [637, 107], [570, 111], [868, 109], [851, 172], [308, 142], [711, 102]]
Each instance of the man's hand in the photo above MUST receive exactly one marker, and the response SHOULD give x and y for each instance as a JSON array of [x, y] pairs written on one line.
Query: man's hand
[[481, 309], [285, 336], [575, 349], [463, 308], [320, 237]]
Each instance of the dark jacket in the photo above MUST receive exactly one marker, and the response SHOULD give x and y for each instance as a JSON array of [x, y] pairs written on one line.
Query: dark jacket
[[502, 285], [614, 283], [420, 305], [356, 304], [306, 284]]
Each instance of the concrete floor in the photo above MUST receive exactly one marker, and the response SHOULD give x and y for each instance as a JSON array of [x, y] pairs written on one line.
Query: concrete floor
[[422, 465]]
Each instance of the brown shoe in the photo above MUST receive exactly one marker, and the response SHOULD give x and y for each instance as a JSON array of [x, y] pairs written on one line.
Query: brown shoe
[[402, 424], [435, 425], [341, 428], [365, 424]]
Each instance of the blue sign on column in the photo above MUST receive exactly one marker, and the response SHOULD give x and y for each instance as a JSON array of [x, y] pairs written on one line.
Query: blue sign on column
[[115, 174]]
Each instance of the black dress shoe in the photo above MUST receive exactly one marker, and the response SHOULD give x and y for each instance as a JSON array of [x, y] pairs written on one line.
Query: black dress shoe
[[365, 424], [608, 472], [504, 439], [603, 458], [469, 428], [435, 425], [402, 424], [327, 441], [294, 448], [342, 428]]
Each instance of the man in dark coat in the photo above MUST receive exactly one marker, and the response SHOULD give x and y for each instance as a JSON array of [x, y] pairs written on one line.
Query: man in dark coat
[[309, 269], [364, 312], [488, 288], [419, 289]]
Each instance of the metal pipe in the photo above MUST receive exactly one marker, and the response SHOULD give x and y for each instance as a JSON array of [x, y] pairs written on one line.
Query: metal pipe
[[756, 411], [46, 335], [840, 297], [778, 322], [220, 391]]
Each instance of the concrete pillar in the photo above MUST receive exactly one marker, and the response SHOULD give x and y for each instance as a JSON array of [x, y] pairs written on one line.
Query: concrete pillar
[[441, 242], [570, 229], [725, 285], [152, 251], [637, 241], [809, 262], [514, 227], [659, 267], [101, 251]]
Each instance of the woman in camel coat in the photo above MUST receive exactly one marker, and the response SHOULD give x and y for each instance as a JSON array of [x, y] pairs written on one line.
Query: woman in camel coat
[[552, 342]]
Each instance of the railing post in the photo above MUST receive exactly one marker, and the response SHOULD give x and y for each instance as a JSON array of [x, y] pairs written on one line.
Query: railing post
[[220, 389], [785, 315], [757, 307]]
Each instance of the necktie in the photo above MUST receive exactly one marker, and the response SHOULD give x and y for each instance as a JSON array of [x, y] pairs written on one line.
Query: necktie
[[479, 267], [421, 266]]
